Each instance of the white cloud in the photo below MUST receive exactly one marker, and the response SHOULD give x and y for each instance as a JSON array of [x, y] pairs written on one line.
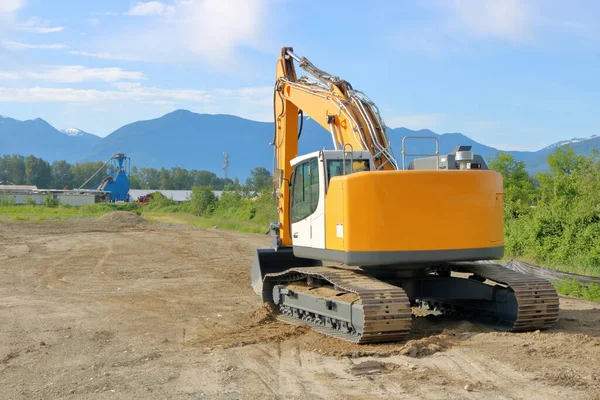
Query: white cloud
[[126, 92], [10, 6], [40, 29], [8, 9], [505, 19], [150, 8], [245, 102], [211, 31], [106, 56], [66, 95], [73, 74], [415, 121], [37, 25], [11, 45], [94, 21]]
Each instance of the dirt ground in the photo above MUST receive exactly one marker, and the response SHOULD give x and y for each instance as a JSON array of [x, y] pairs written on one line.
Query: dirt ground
[[110, 310]]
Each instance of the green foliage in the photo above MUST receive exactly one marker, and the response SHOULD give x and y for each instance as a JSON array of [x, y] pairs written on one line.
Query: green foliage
[[37, 172], [159, 200], [29, 201], [260, 179], [81, 172], [175, 179], [519, 191], [7, 201], [62, 174], [572, 287], [203, 201], [50, 201], [18, 170], [557, 220], [12, 169]]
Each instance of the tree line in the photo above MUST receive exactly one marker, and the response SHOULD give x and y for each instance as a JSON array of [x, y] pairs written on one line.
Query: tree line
[[31, 170], [553, 217]]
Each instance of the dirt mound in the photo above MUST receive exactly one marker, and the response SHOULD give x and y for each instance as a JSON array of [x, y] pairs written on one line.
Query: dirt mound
[[264, 315], [261, 326], [123, 218], [321, 344]]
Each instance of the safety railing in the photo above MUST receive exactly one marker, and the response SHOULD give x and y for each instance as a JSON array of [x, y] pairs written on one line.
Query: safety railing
[[436, 154]]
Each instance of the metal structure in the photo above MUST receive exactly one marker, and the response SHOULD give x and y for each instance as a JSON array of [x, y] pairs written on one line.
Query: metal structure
[[393, 237], [225, 164], [116, 183], [26, 194]]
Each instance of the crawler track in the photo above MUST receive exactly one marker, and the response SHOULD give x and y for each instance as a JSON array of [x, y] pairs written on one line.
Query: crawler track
[[537, 300], [382, 311], [386, 312]]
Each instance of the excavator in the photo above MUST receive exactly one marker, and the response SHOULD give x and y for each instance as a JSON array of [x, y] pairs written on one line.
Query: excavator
[[362, 239]]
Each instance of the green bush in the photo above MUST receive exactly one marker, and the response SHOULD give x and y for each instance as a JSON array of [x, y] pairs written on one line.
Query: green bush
[[159, 200], [203, 201], [572, 287], [7, 201], [29, 201], [50, 201], [556, 219]]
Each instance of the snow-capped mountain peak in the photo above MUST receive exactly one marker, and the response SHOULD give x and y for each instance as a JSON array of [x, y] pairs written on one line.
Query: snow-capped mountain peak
[[72, 132], [570, 141]]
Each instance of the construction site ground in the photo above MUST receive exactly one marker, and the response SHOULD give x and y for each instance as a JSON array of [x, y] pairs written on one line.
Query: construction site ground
[[115, 308]]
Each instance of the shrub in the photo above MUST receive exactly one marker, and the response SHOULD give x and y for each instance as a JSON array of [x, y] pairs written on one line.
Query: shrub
[[203, 201], [572, 287], [159, 200], [7, 201], [103, 208], [50, 201], [29, 201]]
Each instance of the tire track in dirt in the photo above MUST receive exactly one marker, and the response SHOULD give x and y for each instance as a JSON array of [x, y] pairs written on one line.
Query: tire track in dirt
[[491, 378], [49, 276], [98, 271]]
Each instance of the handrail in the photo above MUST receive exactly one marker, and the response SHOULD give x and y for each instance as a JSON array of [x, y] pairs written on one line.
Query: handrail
[[436, 154]]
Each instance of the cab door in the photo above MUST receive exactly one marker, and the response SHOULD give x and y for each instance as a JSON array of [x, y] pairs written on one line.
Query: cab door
[[305, 198]]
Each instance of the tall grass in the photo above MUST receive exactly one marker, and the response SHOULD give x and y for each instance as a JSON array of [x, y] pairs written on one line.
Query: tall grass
[[571, 287]]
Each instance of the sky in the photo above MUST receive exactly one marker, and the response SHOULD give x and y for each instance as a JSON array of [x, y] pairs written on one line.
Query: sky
[[517, 75]]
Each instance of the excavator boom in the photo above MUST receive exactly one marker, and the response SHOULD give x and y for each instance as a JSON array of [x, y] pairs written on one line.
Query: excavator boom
[[352, 119]]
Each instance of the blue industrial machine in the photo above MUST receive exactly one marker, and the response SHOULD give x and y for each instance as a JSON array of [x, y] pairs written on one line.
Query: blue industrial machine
[[116, 183]]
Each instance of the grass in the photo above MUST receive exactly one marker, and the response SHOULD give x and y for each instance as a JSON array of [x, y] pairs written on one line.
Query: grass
[[18, 213], [571, 287], [204, 222], [43, 213]]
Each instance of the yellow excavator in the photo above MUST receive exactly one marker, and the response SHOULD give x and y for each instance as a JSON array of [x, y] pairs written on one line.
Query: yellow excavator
[[362, 238]]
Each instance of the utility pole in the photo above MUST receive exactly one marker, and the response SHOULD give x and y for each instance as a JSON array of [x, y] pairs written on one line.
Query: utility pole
[[225, 164]]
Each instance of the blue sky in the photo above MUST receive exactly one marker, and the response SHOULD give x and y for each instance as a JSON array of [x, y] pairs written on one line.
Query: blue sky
[[508, 73]]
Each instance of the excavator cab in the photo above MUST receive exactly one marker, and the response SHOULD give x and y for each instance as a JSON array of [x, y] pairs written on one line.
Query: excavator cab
[[309, 185]]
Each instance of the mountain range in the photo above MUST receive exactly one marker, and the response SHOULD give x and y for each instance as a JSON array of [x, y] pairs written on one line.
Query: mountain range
[[197, 141]]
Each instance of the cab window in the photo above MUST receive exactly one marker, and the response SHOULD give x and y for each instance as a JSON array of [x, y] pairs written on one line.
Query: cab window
[[335, 167], [305, 190]]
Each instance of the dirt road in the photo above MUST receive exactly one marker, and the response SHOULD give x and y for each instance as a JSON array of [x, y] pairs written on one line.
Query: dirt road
[[92, 309]]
